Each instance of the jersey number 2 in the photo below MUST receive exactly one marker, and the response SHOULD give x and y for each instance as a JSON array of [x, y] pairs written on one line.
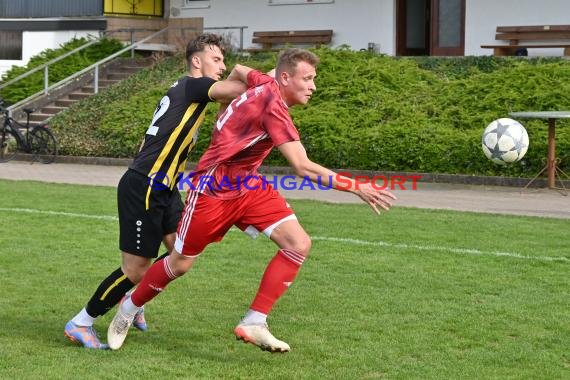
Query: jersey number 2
[[160, 110]]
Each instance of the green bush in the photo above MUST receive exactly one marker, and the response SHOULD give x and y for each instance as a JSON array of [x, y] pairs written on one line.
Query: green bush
[[369, 112], [59, 70]]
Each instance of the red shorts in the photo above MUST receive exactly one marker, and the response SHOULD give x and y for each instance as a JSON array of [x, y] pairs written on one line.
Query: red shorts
[[206, 219]]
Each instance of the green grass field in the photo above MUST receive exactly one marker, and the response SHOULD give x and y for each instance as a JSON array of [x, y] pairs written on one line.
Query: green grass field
[[411, 294]]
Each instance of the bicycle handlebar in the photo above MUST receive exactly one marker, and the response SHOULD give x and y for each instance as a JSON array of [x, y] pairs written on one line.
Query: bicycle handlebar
[[2, 109]]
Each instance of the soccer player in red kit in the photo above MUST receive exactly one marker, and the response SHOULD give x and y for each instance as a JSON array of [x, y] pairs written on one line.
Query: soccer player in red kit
[[229, 191]]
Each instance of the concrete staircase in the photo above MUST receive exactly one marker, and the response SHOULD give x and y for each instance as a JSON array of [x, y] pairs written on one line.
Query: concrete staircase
[[48, 106]]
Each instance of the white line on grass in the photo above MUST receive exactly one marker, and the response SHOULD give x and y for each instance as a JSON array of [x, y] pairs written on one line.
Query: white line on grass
[[462, 251], [61, 213]]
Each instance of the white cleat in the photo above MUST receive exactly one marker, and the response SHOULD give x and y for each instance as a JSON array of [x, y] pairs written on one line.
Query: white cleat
[[260, 336], [118, 330]]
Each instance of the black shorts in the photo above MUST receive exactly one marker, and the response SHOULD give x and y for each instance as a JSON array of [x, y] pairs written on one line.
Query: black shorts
[[142, 229]]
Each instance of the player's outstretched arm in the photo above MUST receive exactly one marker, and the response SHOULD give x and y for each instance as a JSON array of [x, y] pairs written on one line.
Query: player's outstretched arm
[[236, 84], [239, 73], [296, 155], [227, 90]]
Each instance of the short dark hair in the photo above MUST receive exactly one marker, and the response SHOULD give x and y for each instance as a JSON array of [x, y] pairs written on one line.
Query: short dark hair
[[200, 42], [289, 59]]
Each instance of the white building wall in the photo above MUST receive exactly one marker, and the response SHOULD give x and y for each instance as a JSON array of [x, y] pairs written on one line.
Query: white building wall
[[35, 42], [483, 16], [354, 22], [358, 22]]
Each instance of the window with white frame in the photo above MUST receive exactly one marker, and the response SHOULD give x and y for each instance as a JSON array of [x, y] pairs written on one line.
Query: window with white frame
[[11, 44], [297, 2], [196, 3]]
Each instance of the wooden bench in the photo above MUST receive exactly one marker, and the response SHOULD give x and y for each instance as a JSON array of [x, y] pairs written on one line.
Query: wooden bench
[[551, 34], [311, 37]]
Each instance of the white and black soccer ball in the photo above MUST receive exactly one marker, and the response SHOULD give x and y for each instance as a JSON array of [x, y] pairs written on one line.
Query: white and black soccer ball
[[504, 141]]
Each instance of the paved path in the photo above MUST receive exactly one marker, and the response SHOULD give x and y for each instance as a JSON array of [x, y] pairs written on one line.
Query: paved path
[[489, 199]]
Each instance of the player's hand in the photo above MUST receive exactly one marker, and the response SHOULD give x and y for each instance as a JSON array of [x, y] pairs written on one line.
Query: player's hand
[[375, 198]]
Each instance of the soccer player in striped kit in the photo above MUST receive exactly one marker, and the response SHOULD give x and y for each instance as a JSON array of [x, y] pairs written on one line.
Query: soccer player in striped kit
[[149, 203], [243, 136]]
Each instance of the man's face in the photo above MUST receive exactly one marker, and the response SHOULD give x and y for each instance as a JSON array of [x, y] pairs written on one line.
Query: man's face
[[299, 85], [210, 62]]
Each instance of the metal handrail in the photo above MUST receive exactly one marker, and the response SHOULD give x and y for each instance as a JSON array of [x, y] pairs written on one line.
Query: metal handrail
[[45, 65], [241, 28], [134, 30], [105, 60], [94, 67]]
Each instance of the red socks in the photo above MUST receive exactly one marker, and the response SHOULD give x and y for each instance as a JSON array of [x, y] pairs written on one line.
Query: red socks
[[278, 276], [154, 281]]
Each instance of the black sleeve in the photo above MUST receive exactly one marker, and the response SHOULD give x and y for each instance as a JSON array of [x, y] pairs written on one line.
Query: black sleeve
[[197, 90]]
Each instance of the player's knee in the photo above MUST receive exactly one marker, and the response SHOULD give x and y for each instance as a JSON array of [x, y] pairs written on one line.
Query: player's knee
[[303, 245], [180, 264], [134, 267], [135, 273]]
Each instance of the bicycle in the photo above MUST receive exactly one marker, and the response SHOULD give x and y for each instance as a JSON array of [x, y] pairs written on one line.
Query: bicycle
[[38, 140]]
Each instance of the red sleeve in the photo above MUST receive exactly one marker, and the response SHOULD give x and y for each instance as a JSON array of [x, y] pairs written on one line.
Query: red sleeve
[[256, 78], [278, 124]]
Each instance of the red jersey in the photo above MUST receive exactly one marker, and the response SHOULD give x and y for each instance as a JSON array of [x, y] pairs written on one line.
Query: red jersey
[[243, 136]]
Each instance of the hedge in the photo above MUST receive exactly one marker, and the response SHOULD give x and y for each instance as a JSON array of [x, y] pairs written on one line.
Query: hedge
[[369, 112]]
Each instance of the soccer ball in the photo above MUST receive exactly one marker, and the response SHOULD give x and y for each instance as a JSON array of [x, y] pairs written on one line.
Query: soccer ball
[[504, 141]]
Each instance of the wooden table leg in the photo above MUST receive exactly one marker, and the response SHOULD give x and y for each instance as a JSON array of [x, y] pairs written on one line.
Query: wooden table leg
[[551, 159]]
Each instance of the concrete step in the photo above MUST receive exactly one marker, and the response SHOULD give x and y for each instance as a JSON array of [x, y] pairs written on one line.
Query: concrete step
[[129, 69], [35, 117], [53, 109], [157, 47], [116, 76], [65, 102], [79, 95], [90, 89], [103, 83], [107, 82], [140, 63]]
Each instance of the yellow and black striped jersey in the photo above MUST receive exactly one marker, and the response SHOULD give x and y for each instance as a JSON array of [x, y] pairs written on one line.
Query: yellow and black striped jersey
[[174, 129]]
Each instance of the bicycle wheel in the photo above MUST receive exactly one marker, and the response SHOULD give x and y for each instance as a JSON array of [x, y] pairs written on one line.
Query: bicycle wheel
[[43, 144], [8, 145]]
